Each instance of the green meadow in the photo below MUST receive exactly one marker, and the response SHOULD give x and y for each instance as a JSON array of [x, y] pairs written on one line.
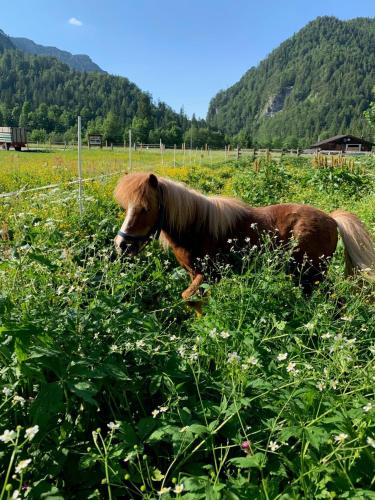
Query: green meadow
[[111, 387]]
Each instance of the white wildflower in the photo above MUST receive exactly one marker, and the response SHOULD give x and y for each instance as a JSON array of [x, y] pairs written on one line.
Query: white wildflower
[[310, 326], [253, 225], [164, 490], [163, 409], [112, 426], [224, 335], [368, 407], [140, 343], [22, 465], [19, 399], [233, 357], [273, 446], [253, 360], [179, 488], [7, 392], [213, 333], [7, 436], [291, 367], [155, 413], [334, 384], [340, 438], [31, 432], [184, 429], [351, 342], [347, 318], [320, 386], [181, 351], [230, 240], [370, 441], [326, 336], [282, 356], [15, 495]]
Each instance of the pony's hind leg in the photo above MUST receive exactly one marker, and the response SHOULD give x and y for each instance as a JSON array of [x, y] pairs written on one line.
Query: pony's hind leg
[[307, 274], [309, 278]]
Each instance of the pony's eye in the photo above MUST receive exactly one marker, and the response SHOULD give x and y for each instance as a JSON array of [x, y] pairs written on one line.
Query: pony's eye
[[144, 210]]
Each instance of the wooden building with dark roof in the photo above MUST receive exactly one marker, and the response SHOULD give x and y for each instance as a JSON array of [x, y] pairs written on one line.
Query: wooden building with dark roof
[[343, 143]]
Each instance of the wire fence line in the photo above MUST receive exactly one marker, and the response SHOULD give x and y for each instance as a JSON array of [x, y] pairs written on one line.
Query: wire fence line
[[173, 158], [138, 157], [57, 185]]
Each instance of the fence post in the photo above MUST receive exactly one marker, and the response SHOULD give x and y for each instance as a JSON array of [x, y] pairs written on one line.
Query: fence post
[[174, 155], [79, 167], [161, 151], [130, 150]]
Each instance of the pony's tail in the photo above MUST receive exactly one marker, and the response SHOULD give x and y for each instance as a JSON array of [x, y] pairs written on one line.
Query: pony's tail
[[359, 247]]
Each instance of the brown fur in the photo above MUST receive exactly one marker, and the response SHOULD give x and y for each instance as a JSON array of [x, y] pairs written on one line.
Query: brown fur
[[196, 226]]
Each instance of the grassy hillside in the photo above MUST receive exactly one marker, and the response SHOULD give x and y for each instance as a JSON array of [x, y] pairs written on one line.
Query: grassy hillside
[[314, 85], [112, 388]]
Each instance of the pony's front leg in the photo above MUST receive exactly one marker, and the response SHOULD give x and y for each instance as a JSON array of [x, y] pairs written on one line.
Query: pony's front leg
[[194, 286], [191, 291]]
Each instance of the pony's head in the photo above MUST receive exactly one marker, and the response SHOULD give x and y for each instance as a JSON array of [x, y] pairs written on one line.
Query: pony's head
[[141, 197]]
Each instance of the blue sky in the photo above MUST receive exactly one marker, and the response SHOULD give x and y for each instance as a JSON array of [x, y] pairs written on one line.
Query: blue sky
[[182, 52]]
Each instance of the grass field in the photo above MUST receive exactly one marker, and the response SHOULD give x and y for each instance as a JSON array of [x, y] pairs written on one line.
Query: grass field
[[39, 168], [112, 388]]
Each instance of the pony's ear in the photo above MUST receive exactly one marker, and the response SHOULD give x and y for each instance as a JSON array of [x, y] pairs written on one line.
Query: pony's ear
[[153, 181]]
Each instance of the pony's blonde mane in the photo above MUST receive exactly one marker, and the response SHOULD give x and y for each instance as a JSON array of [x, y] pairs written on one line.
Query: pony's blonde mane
[[184, 206]]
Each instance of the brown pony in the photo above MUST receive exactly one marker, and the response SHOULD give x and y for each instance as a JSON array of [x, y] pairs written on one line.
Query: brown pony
[[196, 226]]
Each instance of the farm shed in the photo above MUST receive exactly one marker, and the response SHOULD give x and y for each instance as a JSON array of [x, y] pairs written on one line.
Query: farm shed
[[343, 143]]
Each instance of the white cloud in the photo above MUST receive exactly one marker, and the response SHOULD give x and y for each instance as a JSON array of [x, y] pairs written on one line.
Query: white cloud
[[75, 22]]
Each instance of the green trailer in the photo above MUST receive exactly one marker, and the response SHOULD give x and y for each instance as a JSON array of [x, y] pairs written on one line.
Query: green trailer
[[13, 137]]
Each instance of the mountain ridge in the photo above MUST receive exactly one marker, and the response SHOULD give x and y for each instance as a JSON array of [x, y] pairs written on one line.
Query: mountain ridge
[[5, 42], [79, 62]]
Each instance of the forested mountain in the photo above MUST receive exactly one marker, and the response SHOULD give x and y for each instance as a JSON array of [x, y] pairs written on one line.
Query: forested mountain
[[80, 62], [46, 96], [316, 84]]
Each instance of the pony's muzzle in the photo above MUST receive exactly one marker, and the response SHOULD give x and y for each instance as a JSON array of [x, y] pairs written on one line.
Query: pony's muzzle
[[126, 248]]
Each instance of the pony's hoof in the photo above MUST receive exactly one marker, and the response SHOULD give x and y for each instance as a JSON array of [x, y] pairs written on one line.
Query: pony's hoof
[[197, 306]]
